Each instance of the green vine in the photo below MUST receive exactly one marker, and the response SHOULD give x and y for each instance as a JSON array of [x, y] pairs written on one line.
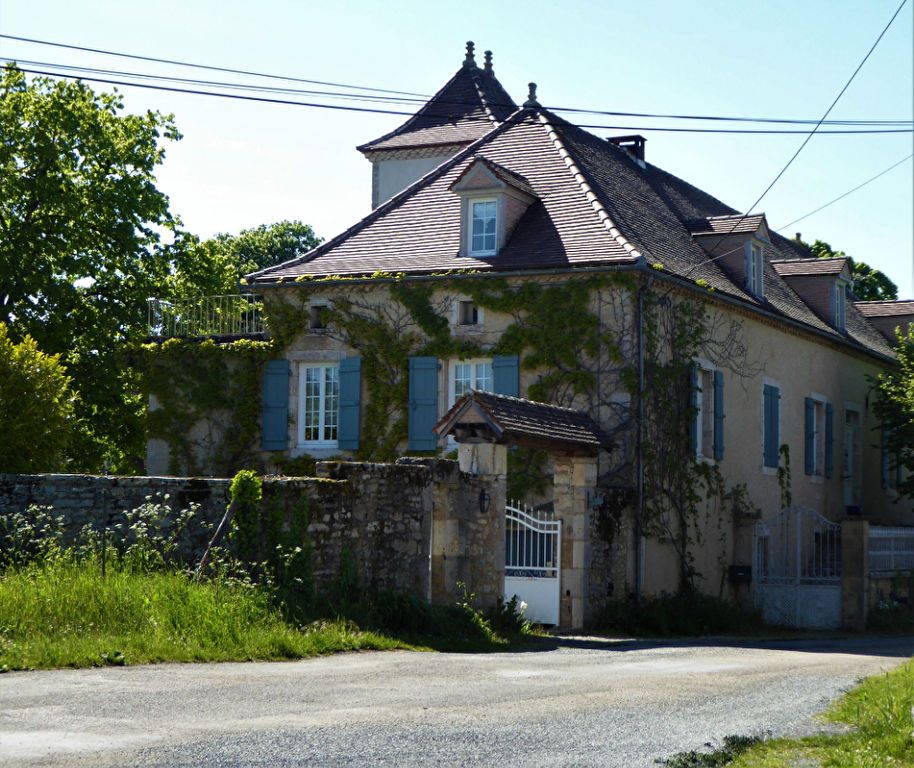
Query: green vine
[[211, 386]]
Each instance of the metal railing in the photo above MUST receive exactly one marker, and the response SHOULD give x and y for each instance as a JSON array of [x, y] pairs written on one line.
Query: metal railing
[[532, 542], [202, 316], [891, 550]]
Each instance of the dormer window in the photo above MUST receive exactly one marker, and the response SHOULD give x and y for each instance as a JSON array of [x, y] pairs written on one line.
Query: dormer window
[[492, 201], [839, 305], [755, 268], [483, 229]]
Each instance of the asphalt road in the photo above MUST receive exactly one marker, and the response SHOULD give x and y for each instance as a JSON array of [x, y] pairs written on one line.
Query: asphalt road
[[581, 702]]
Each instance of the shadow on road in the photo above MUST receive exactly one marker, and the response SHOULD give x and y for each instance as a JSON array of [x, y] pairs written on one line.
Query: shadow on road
[[888, 646]]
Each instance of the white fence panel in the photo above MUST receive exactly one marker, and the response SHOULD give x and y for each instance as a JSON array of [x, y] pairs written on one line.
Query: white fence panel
[[891, 550]]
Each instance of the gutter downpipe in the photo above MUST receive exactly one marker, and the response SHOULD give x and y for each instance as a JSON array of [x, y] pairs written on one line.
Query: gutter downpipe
[[639, 442]]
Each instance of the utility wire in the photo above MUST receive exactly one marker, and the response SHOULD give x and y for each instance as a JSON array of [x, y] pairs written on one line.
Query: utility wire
[[850, 191], [421, 97], [486, 120], [202, 66], [800, 149], [384, 98]]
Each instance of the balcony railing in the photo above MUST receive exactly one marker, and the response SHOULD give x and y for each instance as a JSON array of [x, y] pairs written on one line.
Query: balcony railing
[[204, 316]]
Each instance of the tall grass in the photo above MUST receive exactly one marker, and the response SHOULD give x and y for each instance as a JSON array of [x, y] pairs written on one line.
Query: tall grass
[[126, 596], [67, 613]]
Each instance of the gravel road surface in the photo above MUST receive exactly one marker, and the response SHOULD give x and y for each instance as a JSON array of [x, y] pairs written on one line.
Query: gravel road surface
[[579, 702]]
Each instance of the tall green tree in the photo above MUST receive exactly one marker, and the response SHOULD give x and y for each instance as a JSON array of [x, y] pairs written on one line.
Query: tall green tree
[[895, 408], [85, 238], [869, 284]]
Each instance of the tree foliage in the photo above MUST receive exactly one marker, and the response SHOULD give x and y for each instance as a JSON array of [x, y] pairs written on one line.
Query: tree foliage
[[869, 284], [37, 407], [895, 408], [81, 241]]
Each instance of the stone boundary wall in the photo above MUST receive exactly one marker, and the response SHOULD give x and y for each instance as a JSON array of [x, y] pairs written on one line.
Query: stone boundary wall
[[376, 516]]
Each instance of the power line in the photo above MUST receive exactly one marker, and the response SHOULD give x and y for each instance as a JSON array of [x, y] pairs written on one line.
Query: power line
[[374, 110], [210, 67], [841, 197], [805, 142], [414, 96]]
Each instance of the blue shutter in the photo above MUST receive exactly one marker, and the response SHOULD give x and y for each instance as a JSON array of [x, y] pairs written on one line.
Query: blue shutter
[[506, 375], [829, 440], [350, 401], [771, 425], [693, 410], [718, 415], [810, 435], [275, 432], [423, 403]]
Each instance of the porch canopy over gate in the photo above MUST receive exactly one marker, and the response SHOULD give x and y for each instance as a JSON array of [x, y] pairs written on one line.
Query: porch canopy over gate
[[484, 417]]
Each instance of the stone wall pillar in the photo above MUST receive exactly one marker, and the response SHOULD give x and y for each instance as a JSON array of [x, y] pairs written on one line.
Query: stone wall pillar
[[855, 573], [468, 546], [574, 479]]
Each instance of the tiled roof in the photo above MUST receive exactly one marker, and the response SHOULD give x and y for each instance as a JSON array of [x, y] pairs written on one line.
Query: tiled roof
[[725, 225], [896, 308], [595, 206], [805, 267], [525, 421], [469, 105]]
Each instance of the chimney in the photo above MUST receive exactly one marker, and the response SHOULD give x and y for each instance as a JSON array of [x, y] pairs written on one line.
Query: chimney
[[799, 237], [633, 144]]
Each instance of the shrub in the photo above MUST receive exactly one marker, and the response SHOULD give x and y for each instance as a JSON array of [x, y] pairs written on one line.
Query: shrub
[[682, 614], [37, 407]]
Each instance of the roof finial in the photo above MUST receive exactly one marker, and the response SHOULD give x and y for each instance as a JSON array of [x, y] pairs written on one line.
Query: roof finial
[[470, 60], [531, 97], [488, 65]]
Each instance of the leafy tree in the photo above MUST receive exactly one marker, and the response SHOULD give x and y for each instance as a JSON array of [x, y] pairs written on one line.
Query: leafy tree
[[895, 408], [218, 265], [37, 407], [81, 242], [869, 284]]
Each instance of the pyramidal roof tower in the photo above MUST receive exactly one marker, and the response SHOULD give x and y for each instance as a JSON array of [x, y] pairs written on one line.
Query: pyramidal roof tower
[[466, 108]]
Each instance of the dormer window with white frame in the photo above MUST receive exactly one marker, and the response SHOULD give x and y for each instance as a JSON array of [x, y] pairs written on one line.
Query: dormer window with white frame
[[839, 305], [483, 227], [493, 199], [755, 268]]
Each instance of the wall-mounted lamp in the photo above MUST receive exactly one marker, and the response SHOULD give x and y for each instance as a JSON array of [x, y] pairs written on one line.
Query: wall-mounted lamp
[[484, 502]]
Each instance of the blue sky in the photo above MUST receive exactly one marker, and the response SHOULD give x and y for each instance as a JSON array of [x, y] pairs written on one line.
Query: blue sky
[[242, 164]]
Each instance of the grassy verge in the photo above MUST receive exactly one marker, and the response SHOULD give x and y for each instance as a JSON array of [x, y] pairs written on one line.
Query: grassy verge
[[878, 712], [68, 615]]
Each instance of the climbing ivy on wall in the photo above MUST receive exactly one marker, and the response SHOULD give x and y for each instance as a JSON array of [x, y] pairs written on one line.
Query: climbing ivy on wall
[[576, 339], [214, 389]]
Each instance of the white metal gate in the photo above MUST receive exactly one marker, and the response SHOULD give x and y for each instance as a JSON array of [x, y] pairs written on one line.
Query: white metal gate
[[798, 570], [533, 560]]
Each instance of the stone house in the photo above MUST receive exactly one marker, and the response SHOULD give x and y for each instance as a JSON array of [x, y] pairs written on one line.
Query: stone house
[[484, 212]]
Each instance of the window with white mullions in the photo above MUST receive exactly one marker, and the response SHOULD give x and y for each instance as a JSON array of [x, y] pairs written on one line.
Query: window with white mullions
[[469, 375], [483, 227], [319, 391]]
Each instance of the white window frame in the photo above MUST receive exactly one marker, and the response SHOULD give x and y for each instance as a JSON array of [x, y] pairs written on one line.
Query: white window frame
[[839, 305], [818, 434], [452, 375], [303, 367], [469, 225], [755, 267], [704, 367]]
